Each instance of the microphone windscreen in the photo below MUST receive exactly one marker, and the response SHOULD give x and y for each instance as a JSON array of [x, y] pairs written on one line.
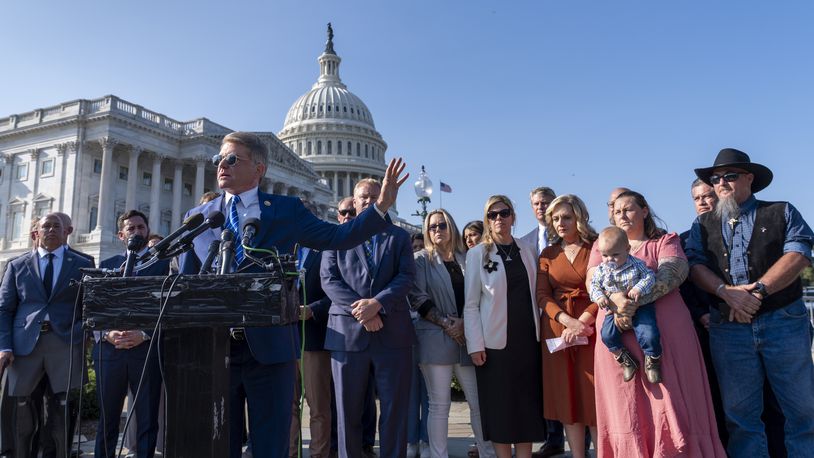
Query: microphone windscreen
[[193, 221], [216, 219], [136, 242], [251, 222]]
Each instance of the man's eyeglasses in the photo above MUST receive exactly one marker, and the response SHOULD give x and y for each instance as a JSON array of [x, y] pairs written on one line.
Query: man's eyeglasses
[[492, 215], [437, 227], [348, 212], [230, 159], [728, 177]]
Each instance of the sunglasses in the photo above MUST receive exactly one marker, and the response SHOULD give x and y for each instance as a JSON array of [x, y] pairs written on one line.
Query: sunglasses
[[437, 227], [492, 215], [230, 160], [347, 212], [728, 177]]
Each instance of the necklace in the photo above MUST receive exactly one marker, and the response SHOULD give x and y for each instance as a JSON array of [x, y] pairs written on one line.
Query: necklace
[[636, 244], [508, 254], [571, 250]]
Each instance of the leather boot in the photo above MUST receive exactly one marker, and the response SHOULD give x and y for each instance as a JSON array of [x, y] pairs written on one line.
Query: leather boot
[[652, 367], [628, 364]]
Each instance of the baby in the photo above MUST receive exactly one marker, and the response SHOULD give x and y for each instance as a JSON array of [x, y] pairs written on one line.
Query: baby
[[622, 273]]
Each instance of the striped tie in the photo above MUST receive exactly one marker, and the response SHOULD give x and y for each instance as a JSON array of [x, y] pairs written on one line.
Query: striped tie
[[234, 225], [370, 255]]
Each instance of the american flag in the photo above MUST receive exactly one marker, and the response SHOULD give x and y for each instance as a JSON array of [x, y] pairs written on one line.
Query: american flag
[[445, 187]]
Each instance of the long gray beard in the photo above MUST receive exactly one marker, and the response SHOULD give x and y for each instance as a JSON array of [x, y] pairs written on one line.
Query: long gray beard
[[727, 208]]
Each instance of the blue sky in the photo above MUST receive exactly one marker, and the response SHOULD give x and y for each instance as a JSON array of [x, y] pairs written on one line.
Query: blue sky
[[491, 96]]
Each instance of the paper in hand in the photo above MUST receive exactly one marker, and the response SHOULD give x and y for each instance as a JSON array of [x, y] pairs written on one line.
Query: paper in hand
[[558, 343]]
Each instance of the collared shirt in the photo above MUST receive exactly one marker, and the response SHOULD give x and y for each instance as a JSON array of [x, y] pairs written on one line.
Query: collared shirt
[[248, 207], [59, 255], [737, 233], [632, 274], [542, 238]]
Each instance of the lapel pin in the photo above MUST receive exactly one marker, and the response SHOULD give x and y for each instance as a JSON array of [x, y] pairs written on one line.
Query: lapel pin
[[490, 266], [267, 203], [762, 229]]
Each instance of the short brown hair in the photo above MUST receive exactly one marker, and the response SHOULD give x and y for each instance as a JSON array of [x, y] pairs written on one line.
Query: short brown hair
[[258, 149], [130, 214]]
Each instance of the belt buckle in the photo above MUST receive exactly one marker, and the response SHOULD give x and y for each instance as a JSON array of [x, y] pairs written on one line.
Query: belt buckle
[[45, 326], [237, 333]]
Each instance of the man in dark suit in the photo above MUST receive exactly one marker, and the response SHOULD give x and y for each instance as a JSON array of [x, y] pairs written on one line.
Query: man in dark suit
[[262, 360], [120, 356], [370, 326], [316, 362], [41, 329]]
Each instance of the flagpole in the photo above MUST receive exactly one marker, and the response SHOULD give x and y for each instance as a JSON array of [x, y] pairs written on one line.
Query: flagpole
[[440, 197]]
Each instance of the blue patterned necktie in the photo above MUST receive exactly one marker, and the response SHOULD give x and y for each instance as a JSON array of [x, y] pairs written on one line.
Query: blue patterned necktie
[[370, 254], [234, 225]]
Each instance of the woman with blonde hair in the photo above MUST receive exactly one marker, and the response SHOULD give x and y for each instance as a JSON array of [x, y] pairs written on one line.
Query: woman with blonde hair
[[501, 322], [438, 297], [568, 374]]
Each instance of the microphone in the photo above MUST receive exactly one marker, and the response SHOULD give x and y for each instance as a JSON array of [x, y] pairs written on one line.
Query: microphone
[[161, 246], [134, 244], [214, 220], [250, 227], [227, 252], [206, 267]]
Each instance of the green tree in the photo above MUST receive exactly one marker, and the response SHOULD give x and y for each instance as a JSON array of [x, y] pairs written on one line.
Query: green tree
[[808, 276]]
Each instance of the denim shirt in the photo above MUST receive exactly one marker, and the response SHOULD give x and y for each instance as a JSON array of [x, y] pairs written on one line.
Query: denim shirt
[[737, 234]]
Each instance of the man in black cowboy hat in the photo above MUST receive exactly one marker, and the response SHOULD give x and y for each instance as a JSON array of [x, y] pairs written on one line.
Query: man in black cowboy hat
[[749, 254]]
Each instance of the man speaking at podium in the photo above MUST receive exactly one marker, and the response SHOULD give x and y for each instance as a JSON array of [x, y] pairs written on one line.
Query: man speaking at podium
[[262, 360]]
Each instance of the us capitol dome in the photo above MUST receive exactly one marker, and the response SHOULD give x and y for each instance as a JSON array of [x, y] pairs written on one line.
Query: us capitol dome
[[332, 128]]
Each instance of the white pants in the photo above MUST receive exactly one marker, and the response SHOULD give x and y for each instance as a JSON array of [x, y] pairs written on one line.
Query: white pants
[[438, 379]]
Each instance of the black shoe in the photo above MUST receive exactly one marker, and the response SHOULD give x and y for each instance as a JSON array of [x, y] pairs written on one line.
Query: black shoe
[[628, 364], [547, 450], [368, 452]]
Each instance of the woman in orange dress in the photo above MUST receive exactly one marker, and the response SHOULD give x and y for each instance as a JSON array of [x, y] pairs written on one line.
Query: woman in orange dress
[[568, 375]]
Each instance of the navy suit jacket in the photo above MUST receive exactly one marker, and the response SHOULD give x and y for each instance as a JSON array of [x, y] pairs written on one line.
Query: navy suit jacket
[[346, 278], [23, 303], [314, 297], [285, 222]]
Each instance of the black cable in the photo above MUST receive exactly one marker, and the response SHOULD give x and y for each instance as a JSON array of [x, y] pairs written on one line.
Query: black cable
[[67, 417], [156, 335]]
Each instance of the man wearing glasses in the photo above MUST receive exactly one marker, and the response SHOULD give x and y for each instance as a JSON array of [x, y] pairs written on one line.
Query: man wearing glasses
[[263, 360], [749, 254]]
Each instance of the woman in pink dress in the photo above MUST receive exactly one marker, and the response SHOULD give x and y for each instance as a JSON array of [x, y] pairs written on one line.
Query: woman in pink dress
[[639, 418]]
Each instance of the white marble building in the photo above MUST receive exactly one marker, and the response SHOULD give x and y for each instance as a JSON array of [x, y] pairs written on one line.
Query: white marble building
[[333, 129], [93, 159]]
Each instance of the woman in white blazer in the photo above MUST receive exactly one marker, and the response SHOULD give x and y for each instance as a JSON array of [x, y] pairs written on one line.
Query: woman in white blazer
[[502, 328], [438, 297]]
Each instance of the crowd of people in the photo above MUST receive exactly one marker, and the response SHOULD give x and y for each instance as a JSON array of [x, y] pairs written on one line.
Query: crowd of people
[[704, 345]]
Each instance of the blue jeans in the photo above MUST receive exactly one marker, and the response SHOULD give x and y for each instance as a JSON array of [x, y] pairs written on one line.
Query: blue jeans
[[775, 346], [644, 326]]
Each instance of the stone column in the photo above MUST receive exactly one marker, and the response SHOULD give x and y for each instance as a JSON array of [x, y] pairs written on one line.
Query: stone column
[[348, 188], [132, 178], [155, 192], [177, 188], [35, 162], [336, 184], [200, 176], [105, 190], [7, 164]]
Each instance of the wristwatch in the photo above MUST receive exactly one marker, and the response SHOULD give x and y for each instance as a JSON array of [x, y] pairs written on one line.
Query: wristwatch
[[145, 336], [760, 288]]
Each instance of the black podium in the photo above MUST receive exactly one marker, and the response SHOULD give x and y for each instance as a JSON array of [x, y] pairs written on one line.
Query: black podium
[[198, 311]]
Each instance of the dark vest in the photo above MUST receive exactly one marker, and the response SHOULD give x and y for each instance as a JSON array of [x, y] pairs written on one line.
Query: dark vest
[[765, 248]]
